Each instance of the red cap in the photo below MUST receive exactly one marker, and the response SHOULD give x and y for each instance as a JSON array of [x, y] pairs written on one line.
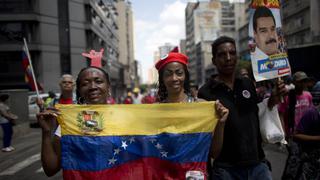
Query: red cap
[[172, 57]]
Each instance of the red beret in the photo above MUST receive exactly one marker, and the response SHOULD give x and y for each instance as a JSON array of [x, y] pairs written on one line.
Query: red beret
[[172, 57]]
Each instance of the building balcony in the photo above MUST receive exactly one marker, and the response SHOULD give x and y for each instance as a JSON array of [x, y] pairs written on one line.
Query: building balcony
[[289, 11]]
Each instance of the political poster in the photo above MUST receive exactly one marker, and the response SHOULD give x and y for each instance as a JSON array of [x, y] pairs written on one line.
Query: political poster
[[267, 44]]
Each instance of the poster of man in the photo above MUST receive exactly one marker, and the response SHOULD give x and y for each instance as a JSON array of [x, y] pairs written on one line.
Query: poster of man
[[264, 30], [266, 41]]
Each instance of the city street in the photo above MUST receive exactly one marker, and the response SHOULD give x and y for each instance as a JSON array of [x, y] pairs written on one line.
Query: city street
[[24, 162]]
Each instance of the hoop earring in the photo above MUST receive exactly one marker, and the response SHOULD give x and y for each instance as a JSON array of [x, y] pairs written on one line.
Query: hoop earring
[[81, 100]]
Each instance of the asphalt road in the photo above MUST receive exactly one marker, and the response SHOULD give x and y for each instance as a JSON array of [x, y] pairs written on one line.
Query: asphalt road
[[24, 163]]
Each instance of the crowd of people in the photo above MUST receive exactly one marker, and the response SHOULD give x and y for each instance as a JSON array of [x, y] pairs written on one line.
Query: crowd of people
[[236, 149]]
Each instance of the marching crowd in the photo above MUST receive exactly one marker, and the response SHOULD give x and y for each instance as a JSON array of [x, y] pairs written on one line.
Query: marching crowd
[[236, 148]]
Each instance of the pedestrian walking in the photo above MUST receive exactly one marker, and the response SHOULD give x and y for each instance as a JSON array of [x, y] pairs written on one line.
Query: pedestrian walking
[[7, 120]]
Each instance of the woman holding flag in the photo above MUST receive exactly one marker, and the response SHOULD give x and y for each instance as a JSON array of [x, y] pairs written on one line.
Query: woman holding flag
[[174, 88], [93, 87]]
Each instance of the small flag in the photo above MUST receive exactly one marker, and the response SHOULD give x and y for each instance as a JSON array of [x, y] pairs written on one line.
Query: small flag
[[28, 72]]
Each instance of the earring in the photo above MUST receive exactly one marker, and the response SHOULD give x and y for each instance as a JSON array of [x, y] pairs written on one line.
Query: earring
[[81, 100]]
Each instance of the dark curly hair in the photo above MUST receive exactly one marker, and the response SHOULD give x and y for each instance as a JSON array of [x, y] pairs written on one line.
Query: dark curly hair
[[221, 40], [162, 90], [79, 98]]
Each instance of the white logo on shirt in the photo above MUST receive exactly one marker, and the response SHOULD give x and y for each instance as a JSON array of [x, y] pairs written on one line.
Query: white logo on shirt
[[246, 94]]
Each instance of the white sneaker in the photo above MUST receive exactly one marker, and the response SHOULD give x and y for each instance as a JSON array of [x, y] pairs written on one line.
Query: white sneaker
[[12, 148], [7, 149]]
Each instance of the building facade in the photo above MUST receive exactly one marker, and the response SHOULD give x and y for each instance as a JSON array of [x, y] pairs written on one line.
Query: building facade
[[57, 32], [301, 26], [203, 23], [165, 49], [125, 34]]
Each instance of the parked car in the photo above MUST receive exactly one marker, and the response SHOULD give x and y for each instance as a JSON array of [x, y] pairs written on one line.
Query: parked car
[[33, 107]]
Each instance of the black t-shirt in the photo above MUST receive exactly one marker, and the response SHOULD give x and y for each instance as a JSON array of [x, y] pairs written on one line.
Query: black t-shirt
[[242, 138]]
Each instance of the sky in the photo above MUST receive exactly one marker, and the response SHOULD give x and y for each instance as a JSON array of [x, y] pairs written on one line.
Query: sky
[[156, 22]]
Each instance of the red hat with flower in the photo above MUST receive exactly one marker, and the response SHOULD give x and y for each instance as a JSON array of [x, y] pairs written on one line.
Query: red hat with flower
[[173, 56]]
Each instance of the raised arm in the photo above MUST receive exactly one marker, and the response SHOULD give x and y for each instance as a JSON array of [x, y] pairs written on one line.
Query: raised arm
[[218, 134], [50, 147]]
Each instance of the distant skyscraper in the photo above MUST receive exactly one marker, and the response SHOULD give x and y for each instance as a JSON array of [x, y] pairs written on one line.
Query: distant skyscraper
[[182, 46], [125, 34], [202, 24], [165, 49]]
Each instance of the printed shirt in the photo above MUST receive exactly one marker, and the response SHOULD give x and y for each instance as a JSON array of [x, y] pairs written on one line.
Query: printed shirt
[[304, 102]]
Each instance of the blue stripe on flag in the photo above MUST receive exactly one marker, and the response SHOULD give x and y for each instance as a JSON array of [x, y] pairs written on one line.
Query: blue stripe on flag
[[93, 153]]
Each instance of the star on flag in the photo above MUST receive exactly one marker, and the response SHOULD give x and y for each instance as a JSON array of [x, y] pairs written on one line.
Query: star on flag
[[158, 146], [131, 140], [124, 144], [116, 151], [112, 161], [164, 154]]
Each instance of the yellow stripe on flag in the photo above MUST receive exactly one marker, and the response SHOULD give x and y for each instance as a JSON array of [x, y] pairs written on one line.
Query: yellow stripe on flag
[[142, 119]]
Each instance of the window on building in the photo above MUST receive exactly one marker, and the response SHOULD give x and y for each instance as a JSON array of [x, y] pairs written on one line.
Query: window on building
[[16, 6], [13, 32]]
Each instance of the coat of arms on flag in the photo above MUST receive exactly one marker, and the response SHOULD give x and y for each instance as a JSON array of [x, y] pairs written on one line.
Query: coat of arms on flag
[[147, 141]]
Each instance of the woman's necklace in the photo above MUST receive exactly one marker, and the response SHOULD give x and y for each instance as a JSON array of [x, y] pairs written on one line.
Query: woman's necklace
[[184, 98]]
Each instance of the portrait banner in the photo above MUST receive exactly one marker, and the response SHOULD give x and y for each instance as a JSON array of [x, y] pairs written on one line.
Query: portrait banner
[[145, 141], [267, 44]]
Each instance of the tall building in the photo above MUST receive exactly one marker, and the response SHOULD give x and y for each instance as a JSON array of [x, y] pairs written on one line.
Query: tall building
[[153, 74], [203, 23], [182, 46], [204, 63], [165, 49], [228, 19], [301, 26], [57, 32], [162, 51], [125, 34], [243, 33]]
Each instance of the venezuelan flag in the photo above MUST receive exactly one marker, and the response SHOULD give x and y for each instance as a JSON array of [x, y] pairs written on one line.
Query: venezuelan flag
[[147, 141], [28, 73]]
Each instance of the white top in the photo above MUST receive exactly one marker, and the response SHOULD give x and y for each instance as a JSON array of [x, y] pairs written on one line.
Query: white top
[[3, 108], [58, 131]]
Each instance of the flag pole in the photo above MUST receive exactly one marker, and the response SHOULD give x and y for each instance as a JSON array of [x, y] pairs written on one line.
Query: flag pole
[[32, 72]]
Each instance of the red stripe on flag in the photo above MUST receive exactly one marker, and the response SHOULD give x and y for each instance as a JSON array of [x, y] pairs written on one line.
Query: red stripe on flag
[[144, 168]]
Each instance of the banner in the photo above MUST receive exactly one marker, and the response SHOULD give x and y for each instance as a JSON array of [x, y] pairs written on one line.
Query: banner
[[268, 49], [147, 141]]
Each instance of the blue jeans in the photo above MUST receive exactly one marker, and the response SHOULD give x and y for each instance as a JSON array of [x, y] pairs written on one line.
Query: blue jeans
[[7, 134], [256, 172]]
